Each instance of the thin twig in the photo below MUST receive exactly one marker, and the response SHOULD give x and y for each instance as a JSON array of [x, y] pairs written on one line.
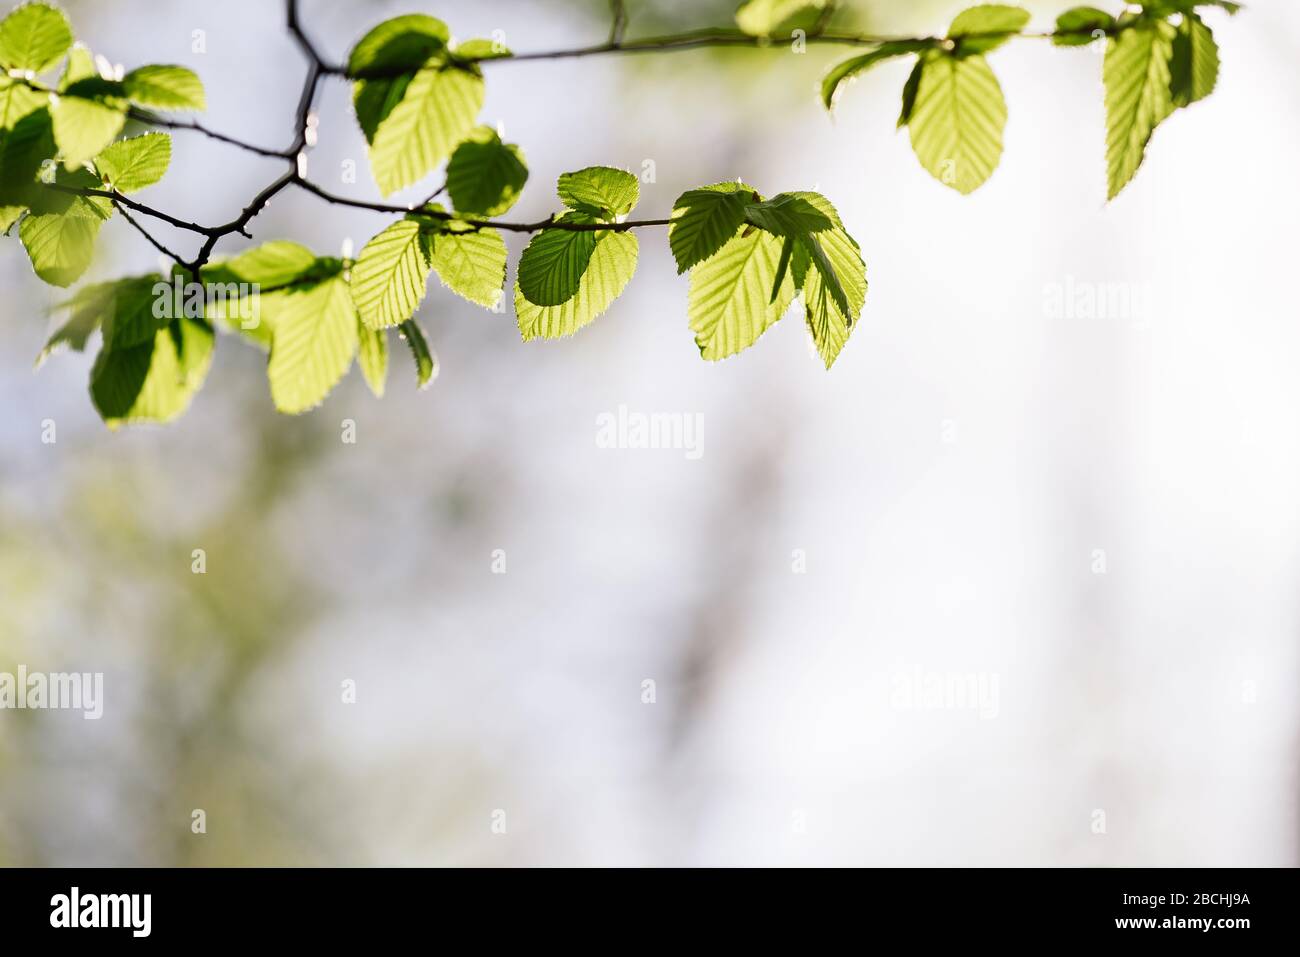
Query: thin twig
[[117, 197], [145, 233], [541, 224], [318, 68], [144, 116]]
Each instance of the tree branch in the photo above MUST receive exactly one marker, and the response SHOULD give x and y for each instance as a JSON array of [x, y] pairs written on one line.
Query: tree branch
[[145, 233], [152, 119], [548, 223], [318, 68]]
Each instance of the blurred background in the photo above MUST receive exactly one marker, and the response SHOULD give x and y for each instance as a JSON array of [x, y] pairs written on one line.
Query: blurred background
[[1090, 518]]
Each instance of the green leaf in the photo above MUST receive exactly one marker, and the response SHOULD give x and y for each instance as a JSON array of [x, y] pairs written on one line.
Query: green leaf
[[80, 66], [910, 88], [313, 342], [372, 356], [957, 121], [599, 191], [484, 175], [611, 267], [553, 263], [65, 201], [703, 221], [1079, 26], [132, 164], [401, 44], [1138, 96], [829, 317], [852, 67], [8, 216], [770, 18], [86, 119], [87, 310], [276, 263], [1164, 8], [426, 362], [155, 380], [136, 309], [374, 100], [1194, 62], [61, 245], [986, 27], [730, 303], [481, 49], [787, 214], [251, 315], [33, 37], [23, 150], [388, 279], [165, 87], [437, 109], [472, 264], [17, 100]]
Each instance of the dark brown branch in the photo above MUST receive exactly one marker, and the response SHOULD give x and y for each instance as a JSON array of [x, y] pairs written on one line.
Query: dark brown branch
[[118, 198], [146, 234], [152, 119], [318, 68], [550, 223]]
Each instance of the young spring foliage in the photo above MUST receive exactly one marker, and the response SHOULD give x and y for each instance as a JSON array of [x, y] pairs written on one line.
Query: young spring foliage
[[73, 153], [1159, 55]]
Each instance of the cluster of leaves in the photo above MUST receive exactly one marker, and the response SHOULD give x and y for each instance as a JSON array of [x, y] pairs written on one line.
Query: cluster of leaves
[[60, 135], [1159, 56], [417, 98]]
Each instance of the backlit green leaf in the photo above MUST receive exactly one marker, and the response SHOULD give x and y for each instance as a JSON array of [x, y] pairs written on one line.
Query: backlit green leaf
[[437, 109], [33, 37], [986, 27], [372, 357], [87, 118], [787, 214], [426, 361], [611, 267], [730, 303], [910, 88], [87, 310], [79, 66], [313, 342], [829, 321], [389, 277], [703, 221], [401, 44], [481, 48], [852, 67], [484, 175], [165, 87], [1194, 64], [17, 99], [132, 164], [553, 263], [1081, 25], [276, 263], [601, 191], [137, 309], [957, 121], [1138, 96], [472, 264], [61, 245], [772, 18], [155, 380]]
